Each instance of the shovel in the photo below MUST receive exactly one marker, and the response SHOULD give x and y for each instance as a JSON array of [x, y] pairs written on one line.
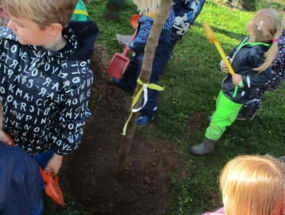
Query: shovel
[[120, 62], [52, 188]]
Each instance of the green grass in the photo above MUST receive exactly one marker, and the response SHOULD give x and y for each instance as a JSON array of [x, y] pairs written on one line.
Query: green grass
[[192, 82]]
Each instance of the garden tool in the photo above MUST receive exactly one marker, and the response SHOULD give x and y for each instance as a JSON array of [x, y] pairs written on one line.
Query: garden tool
[[120, 62], [212, 39], [52, 188], [123, 39], [135, 20]]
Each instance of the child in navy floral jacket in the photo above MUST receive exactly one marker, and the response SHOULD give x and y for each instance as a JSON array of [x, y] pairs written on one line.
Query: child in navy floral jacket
[[250, 108], [162, 54], [251, 61]]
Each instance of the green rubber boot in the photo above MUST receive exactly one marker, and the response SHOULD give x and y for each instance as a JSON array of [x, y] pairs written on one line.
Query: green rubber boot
[[204, 148]]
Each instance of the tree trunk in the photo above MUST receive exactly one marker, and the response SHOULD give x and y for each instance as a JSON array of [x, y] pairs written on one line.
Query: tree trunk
[[144, 76]]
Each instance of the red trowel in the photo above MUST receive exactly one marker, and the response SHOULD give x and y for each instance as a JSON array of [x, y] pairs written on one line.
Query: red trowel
[[120, 62]]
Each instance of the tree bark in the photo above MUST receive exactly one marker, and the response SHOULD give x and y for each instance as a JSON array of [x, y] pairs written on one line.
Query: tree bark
[[145, 73]]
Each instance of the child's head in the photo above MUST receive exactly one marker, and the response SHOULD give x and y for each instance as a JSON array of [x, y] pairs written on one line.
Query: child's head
[[253, 185], [266, 26], [147, 6], [38, 22], [42, 12]]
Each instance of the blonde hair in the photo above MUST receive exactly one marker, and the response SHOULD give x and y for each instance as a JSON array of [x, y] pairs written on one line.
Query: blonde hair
[[267, 25], [42, 12], [147, 6], [253, 185]]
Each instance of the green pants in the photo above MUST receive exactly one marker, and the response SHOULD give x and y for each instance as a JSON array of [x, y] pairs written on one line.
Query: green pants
[[225, 114], [80, 13]]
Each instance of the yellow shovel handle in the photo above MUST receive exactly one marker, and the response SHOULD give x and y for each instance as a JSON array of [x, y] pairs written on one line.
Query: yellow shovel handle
[[225, 59]]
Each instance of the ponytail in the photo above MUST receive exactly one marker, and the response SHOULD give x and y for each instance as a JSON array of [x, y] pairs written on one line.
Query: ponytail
[[269, 55], [267, 27]]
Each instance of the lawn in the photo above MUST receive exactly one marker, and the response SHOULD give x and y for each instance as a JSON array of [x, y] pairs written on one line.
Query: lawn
[[192, 82]]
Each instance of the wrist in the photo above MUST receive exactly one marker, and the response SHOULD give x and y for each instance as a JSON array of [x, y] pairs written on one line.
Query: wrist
[[58, 157]]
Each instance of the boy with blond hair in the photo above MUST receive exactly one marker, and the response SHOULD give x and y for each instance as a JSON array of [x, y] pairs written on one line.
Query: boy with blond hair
[[45, 78]]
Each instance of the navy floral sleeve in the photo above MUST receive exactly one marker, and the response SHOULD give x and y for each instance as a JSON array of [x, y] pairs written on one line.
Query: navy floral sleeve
[[278, 66]]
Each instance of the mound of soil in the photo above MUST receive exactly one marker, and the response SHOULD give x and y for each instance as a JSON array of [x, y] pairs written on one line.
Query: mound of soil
[[144, 189]]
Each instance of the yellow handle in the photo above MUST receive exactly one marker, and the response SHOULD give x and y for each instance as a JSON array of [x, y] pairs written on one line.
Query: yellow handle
[[225, 59], [212, 39]]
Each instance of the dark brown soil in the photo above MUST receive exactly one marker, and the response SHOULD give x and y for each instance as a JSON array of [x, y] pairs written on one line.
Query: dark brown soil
[[145, 188]]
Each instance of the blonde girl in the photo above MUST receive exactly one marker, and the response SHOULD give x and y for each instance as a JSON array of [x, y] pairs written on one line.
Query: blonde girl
[[251, 61], [252, 185]]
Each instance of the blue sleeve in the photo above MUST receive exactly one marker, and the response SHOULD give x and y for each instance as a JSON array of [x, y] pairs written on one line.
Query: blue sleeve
[[194, 8], [139, 42], [74, 111], [186, 12]]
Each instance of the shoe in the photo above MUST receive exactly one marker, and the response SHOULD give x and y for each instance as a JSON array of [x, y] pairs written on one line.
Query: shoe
[[116, 81], [209, 118], [241, 117], [249, 115], [120, 83], [123, 40], [204, 148], [143, 120]]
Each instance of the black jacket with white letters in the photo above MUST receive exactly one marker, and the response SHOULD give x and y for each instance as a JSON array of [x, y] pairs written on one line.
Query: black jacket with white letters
[[45, 93]]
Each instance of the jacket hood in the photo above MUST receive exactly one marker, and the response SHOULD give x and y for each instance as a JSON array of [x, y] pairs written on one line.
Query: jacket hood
[[86, 33]]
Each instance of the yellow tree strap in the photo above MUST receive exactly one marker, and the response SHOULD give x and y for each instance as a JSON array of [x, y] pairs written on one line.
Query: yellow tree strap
[[152, 15], [137, 97], [80, 12]]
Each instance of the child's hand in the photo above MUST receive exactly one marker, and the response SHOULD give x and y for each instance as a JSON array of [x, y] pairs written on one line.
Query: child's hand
[[224, 67], [237, 79], [54, 164], [6, 139]]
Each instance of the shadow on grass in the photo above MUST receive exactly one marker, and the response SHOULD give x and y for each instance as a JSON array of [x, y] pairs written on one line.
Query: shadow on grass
[[230, 34]]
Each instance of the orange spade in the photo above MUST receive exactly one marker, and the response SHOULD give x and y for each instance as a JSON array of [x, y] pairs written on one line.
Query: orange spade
[[52, 188]]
